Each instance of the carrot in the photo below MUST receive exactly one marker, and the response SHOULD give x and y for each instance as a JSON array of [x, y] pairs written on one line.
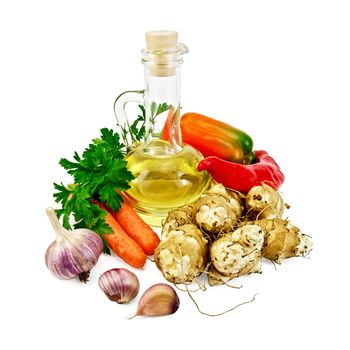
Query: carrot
[[167, 132], [136, 228], [122, 244]]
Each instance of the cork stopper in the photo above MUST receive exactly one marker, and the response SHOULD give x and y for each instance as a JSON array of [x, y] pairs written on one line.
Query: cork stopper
[[161, 39], [158, 41]]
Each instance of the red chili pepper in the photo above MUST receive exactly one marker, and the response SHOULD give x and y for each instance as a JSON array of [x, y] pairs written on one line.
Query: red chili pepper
[[243, 177]]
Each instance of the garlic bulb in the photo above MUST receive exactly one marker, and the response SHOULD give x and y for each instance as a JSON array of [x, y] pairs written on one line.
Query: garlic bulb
[[158, 300], [73, 253], [120, 285]]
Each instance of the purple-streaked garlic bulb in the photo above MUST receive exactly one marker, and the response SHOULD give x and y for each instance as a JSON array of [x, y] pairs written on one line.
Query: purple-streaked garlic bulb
[[74, 252], [119, 285]]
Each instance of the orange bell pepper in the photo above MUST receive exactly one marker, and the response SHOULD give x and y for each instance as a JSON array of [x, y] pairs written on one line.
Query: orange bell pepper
[[213, 138]]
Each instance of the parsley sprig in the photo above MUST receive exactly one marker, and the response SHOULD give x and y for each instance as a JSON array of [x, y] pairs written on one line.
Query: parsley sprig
[[100, 173], [137, 129]]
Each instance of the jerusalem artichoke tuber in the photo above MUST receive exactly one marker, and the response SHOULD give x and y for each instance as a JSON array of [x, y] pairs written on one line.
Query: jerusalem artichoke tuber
[[237, 253], [218, 210], [182, 254], [283, 240], [263, 202]]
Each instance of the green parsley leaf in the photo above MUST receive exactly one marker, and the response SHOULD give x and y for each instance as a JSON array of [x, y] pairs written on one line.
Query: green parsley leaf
[[162, 108]]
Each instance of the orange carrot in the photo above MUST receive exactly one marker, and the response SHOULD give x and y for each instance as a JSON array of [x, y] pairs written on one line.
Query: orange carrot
[[122, 244], [136, 228], [166, 132]]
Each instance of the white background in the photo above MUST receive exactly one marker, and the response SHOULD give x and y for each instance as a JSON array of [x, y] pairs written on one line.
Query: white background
[[277, 69]]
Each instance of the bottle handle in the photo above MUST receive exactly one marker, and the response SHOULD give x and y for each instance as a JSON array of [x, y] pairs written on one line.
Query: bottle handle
[[136, 96]]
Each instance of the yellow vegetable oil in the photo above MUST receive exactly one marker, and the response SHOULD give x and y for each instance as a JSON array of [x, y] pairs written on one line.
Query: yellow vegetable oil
[[164, 179], [165, 170]]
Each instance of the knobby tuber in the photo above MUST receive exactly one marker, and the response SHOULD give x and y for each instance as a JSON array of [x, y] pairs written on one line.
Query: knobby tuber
[[182, 254], [218, 210]]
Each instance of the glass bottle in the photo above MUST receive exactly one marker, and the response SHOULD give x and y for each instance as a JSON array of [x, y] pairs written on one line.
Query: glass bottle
[[166, 174]]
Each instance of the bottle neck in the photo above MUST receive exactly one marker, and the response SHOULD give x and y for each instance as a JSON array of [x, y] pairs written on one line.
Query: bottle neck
[[162, 101]]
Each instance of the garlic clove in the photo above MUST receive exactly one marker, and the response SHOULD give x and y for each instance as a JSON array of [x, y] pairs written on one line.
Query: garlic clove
[[158, 300], [119, 285]]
